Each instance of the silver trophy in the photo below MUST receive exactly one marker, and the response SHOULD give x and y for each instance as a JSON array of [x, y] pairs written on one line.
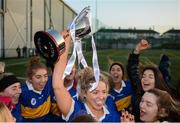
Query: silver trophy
[[50, 43]]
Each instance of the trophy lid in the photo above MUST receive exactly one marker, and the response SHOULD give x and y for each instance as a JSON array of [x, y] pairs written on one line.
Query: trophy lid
[[82, 23]]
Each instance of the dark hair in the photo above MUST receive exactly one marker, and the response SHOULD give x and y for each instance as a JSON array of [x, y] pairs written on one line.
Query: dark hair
[[8, 80], [178, 86], [159, 81], [121, 66], [84, 118], [111, 83]]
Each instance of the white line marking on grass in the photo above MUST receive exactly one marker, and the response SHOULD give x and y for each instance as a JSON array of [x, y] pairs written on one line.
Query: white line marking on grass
[[22, 78], [13, 64], [173, 55], [148, 60]]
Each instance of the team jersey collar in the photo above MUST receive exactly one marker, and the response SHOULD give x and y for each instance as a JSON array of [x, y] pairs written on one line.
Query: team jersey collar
[[123, 85], [89, 112], [30, 87]]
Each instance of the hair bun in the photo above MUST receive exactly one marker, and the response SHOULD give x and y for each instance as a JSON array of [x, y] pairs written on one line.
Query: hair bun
[[35, 60]]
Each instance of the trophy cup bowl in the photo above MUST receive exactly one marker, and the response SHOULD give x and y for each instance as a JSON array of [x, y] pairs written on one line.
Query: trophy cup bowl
[[50, 44], [82, 28]]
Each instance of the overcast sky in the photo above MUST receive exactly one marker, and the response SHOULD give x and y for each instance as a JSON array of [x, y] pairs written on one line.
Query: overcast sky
[[159, 15]]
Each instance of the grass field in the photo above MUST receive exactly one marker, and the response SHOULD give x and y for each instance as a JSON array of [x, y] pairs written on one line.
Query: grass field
[[18, 66]]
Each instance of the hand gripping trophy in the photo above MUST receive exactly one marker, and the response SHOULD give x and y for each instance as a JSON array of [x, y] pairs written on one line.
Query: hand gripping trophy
[[50, 43]]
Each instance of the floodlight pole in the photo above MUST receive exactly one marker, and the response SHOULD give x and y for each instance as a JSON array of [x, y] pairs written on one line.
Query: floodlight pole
[[96, 23]]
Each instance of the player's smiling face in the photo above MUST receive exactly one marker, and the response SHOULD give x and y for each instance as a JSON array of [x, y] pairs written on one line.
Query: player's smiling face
[[116, 73], [39, 79], [148, 80], [148, 107], [95, 99], [13, 91]]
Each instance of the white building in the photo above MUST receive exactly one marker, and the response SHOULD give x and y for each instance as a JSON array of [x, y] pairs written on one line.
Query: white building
[[172, 33], [21, 19]]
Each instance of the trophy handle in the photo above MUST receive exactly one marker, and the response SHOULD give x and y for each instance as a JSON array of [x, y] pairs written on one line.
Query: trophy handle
[[82, 14]]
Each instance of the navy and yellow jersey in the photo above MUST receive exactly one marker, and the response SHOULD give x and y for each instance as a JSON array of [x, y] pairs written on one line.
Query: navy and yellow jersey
[[78, 108], [16, 112], [35, 106], [55, 112], [123, 98], [72, 91], [110, 102]]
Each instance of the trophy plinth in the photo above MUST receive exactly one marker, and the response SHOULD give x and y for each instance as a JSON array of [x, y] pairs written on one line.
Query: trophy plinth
[[49, 44]]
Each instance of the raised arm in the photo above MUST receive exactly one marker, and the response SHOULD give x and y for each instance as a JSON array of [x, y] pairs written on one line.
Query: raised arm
[[63, 97], [134, 74], [142, 45], [133, 66]]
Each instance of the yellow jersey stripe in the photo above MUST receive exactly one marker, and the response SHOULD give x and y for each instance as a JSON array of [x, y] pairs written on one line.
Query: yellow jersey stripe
[[40, 111], [123, 103], [55, 109]]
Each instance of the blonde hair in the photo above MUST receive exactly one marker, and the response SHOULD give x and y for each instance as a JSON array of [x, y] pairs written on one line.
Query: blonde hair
[[5, 114], [86, 78]]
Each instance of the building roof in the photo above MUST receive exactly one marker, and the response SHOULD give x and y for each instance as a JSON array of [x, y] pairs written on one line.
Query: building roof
[[128, 30], [173, 31]]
